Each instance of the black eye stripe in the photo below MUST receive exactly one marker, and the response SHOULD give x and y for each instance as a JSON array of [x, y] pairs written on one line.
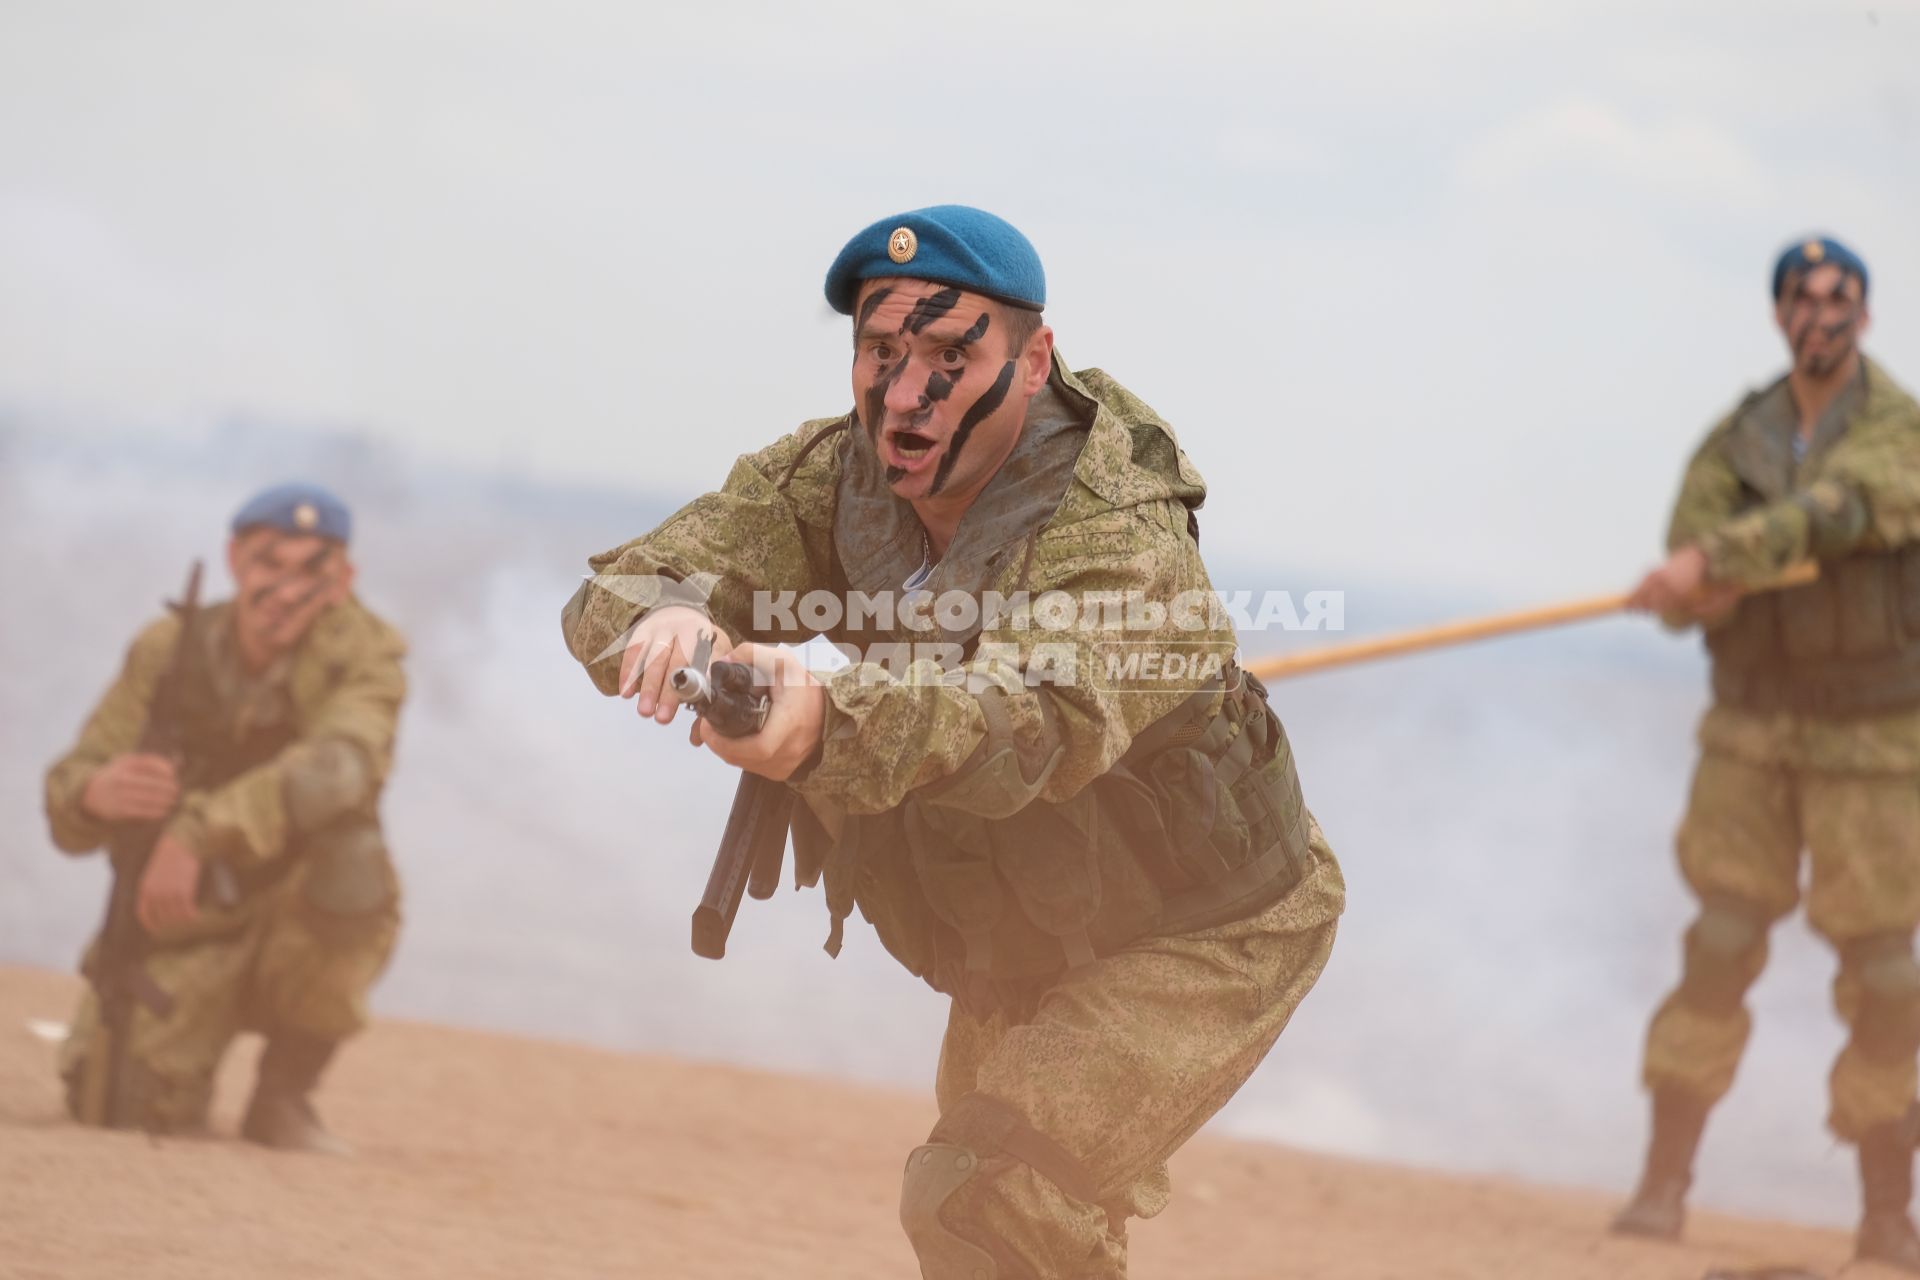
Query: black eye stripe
[[940, 386], [874, 404], [978, 412], [977, 332]]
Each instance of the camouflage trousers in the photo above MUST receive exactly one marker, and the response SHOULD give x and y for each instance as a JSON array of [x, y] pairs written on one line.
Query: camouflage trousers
[[298, 956], [1741, 849], [1125, 1059]]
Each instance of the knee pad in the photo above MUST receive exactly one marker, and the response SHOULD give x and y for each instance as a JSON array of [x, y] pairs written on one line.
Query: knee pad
[[934, 1172], [978, 1139], [1887, 1026], [346, 872], [1725, 949]]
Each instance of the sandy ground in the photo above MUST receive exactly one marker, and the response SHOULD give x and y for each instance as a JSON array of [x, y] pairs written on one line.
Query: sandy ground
[[485, 1155]]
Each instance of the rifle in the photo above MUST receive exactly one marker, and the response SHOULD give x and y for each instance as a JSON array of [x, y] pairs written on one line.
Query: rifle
[[117, 967], [753, 846]]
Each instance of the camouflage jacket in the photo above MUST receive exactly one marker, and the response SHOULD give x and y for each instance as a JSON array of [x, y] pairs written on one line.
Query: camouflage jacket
[[1096, 502], [1754, 510], [333, 701], [1865, 450]]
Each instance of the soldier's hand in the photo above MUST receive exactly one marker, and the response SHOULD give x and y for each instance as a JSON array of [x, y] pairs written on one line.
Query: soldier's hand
[[1715, 601], [1675, 586], [665, 639], [132, 788], [169, 886], [794, 721]]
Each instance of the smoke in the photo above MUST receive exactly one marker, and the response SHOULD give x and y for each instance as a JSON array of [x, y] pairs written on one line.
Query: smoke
[[1504, 815]]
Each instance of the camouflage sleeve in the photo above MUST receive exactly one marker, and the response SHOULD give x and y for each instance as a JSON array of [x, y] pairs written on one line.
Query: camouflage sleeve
[[1038, 711], [112, 730], [1867, 493], [1826, 518], [348, 685], [1874, 474], [1709, 492], [764, 530]]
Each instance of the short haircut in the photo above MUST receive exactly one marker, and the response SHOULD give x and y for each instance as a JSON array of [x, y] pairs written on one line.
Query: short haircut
[[1022, 324]]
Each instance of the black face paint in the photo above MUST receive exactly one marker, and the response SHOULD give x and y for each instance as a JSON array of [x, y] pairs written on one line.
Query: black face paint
[[939, 387], [300, 602], [1797, 336], [309, 567], [871, 305], [873, 406], [1809, 326], [1844, 342], [929, 309], [980, 411], [977, 332], [265, 552]]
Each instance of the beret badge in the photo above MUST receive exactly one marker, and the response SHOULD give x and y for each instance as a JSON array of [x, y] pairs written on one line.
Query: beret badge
[[1813, 251], [306, 516], [902, 245]]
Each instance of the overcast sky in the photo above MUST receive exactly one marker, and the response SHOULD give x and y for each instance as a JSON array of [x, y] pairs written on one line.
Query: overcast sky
[[1435, 292]]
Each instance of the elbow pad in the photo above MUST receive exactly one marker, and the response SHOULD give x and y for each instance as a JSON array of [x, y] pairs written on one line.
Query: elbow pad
[[324, 781]]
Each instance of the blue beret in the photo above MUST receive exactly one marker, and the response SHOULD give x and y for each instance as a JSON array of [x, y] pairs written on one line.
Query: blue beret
[[1808, 254], [296, 508], [949, 244]]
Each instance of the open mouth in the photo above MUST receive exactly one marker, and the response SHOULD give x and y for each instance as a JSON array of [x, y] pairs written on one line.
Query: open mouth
[[912, 444]]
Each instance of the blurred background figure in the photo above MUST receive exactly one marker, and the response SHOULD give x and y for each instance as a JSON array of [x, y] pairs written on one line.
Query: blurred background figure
[[1812, 742], [262, 896]]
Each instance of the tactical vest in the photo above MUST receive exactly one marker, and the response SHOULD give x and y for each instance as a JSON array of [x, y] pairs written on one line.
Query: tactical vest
[[1199, 823], [1848, 644], [215, 746]]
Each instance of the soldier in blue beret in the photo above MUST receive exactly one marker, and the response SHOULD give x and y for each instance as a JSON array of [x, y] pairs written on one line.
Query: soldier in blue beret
[[241, 752], [1090, 839], [1812, 744]]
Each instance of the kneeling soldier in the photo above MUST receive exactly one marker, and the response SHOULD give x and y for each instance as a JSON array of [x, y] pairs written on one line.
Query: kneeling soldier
[[268, 901]]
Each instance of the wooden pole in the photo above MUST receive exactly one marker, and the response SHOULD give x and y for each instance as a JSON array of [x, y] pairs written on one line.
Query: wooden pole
[[1499, 624]]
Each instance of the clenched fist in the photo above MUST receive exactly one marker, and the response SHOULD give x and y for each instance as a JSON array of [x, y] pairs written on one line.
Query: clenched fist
[[132, 788]]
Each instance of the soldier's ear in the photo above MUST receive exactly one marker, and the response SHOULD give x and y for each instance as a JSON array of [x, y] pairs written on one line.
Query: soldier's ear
[[343, 579], [1036, 362]]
